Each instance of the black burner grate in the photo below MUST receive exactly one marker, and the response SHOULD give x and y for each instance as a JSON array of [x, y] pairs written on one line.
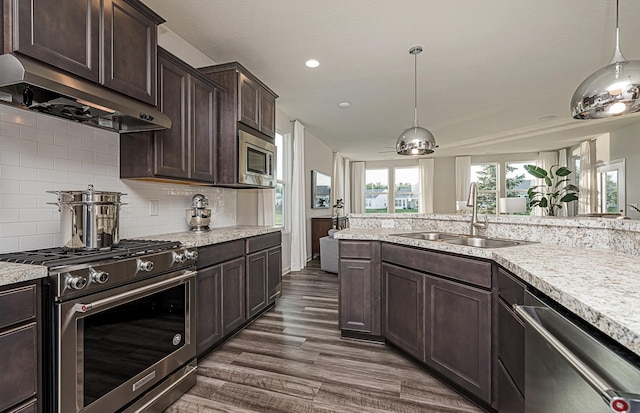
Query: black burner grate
[[55, 257]]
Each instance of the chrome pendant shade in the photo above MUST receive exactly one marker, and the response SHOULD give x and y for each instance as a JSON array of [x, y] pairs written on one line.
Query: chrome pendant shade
[[415, 140], [611, 91]]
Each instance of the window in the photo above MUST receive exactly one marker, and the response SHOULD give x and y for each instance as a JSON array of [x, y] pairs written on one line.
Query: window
[[376, 193], [280, 194], [486, 177], [406, 189], [611, 187], [518, 182], [402, 197]]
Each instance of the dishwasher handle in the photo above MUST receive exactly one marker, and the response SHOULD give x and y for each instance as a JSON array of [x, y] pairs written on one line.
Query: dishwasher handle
[[618, 401]]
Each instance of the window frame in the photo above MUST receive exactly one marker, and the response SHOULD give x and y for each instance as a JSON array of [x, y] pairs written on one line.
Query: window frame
[[284, 180], [391, 188]]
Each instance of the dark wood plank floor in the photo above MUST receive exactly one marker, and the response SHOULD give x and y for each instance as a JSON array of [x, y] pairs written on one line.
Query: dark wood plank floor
[[292, 360]]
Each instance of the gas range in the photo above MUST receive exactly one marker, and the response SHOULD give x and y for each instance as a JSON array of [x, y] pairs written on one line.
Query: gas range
[[76, 273]]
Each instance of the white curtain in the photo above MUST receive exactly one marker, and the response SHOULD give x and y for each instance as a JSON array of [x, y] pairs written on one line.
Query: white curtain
[[298, 206], [347, 187], [562, 161], [463, 178], [545, 161], [426, 170], [358, 187], [337, 188], [586, 179], [266, 206]]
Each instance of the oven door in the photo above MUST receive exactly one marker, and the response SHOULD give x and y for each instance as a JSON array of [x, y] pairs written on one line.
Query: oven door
[[114, 345]]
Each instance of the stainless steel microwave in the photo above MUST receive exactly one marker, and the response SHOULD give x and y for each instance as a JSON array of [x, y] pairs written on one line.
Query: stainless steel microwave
[[257, 161]]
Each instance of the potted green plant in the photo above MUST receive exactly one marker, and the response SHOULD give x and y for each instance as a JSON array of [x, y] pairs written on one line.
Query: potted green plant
[[555, 190]]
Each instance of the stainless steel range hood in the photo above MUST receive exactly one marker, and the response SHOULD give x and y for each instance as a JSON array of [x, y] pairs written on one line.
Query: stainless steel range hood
[[29, 84]]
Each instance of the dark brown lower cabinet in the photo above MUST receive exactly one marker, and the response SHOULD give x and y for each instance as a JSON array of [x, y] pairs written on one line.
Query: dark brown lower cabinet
[[458, 333], [510, 400], [233, 295], [274, 274], [403, 310], [256, 282], [209, 313], [20, 338]]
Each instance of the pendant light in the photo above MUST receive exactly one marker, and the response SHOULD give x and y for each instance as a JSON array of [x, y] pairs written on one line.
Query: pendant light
[[415, 140], [611, 91]]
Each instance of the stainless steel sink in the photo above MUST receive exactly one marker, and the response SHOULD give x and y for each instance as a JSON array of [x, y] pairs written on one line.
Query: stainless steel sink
[[429, 236], [464, 239], [481, 242]]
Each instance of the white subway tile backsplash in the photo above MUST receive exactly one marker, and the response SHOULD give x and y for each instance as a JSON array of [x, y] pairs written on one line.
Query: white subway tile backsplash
[[62, 139], [18, 116], [28, 222], [82, 155], [18, 229], [52, 124], [31, 160], [67, 165], [54, 151], [35, 134], [18, 173], [35, 187], [10, 130], [15, 144], [91, 145]]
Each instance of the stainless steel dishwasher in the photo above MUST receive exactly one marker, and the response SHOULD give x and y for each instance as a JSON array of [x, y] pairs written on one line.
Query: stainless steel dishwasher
[[569, 370]]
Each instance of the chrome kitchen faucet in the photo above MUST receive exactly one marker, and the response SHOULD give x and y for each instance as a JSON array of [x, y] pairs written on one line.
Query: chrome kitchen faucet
[[472, 201]]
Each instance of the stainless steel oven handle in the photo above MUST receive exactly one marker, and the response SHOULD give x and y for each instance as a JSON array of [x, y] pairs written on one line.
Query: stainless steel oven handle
[[83, 308], [618, 401]]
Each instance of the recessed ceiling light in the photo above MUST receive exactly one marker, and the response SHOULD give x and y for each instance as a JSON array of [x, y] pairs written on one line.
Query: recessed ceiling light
[[344, 105], [312, 63]]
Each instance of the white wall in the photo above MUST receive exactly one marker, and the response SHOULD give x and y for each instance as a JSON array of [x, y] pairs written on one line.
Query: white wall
[[40, 153], [317, 157], [625, 143]]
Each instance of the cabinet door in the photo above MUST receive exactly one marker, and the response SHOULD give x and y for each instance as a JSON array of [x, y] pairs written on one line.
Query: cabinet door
[[458, 334], [204, 121], [511, 344], [249, 102], [256, 283], [274, 273], [130, 40], [356, 296], [172, 145], [63, 33], [233, 293], [19, 361], [267, 114], [208, 317], [403, 309]]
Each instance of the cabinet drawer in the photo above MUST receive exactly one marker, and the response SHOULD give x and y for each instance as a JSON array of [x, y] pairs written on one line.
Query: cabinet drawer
[[355, 249], [217, 253], [511, 290], [17, 305], [511, 344], [469, 270], [30, 407], [19, 361], [262, 242]]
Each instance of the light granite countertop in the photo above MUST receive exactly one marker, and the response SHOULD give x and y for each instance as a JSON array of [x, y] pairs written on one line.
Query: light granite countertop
[[601, 287], [11, 273]]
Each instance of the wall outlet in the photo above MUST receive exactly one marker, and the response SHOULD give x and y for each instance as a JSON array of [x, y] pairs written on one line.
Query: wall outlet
[[154, 208]]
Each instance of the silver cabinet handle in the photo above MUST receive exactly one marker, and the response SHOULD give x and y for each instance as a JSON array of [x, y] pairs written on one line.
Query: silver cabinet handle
[[83, 308], [618, 401]]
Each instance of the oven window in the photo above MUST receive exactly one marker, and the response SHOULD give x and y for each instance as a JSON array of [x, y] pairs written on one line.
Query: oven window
[[125, 340], [256, 161]]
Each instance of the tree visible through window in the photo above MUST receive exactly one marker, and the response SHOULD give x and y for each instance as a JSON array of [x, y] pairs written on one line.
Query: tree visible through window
[[486, 177], [518, 182]]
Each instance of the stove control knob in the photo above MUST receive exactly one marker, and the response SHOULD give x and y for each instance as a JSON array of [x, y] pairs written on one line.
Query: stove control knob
[[98, 276], [76, 282], [179, 258], [191, 255], [145, 266]]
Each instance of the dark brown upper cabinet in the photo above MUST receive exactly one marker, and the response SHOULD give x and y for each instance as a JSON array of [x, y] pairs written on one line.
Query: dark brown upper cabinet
[[247, 99], [187, 151], [69, 34]]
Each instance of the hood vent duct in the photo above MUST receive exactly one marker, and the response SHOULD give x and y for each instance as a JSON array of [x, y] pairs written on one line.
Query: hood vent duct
[[29, 84]]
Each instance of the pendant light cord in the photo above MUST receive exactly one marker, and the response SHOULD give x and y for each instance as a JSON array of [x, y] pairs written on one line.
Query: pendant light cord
[[617, 54]]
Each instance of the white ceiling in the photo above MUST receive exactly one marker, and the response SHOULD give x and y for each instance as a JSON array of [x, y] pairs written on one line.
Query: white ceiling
[[491, 73]]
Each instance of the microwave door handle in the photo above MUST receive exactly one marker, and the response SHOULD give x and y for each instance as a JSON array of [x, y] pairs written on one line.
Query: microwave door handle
[[616, 400]]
